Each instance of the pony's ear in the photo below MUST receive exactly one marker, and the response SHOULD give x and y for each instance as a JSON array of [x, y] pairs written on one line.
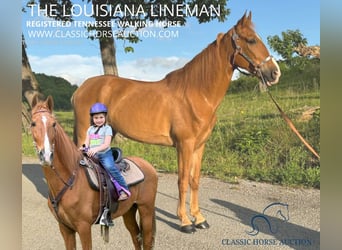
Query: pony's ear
[[49, 102], [35, 100]]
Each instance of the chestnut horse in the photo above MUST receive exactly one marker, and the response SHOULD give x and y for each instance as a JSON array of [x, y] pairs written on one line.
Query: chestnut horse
[[179, 110], [79, 204]]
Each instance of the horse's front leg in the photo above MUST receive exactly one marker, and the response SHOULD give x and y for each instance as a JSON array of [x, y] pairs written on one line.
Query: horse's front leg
[[84, 231], [184, 151], [69, 237], [200, 221]]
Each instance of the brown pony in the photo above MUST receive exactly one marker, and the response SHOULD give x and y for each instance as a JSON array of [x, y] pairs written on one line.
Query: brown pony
[[179, 110], [79, 204]]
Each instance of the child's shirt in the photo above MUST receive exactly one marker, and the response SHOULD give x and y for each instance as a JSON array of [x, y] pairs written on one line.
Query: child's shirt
[[97, 138]]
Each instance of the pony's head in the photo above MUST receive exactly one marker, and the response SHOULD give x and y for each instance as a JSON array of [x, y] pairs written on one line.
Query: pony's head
[[43, 129], [251, 53]]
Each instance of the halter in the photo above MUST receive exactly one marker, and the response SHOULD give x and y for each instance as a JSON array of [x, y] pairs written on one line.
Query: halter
[[238, 50]]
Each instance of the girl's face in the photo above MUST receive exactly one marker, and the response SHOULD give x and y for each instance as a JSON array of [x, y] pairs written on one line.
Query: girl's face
[[99, 119]]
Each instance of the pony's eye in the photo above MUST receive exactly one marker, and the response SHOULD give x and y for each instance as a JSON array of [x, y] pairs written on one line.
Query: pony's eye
[[252, 41], [54, 124], [33, 124]]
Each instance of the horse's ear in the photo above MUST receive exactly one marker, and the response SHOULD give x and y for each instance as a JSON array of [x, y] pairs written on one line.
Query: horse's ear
[[35, 100], [49, 102], [219, 37], [245, 19], [250, 16], [242, 19]]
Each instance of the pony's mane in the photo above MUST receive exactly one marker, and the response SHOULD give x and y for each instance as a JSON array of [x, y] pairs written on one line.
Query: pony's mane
[[67, 148], [40, 106]]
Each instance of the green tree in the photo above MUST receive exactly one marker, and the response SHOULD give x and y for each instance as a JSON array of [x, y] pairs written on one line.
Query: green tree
[[102, 13], [59, 88], [286, 44]]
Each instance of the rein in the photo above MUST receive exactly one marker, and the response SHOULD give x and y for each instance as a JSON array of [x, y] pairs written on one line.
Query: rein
[[293, 128], [257, 71], [289, 122]]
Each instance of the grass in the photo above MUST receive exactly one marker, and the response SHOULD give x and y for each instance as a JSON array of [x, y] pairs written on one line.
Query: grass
[[250, 140]]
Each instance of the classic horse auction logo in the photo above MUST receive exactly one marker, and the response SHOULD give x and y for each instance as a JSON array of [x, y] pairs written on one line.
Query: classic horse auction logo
[[274, 212]]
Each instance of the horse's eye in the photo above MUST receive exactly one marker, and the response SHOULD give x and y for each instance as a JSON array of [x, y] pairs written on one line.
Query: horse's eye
[[252, 41], [54, 124], [33, 124]]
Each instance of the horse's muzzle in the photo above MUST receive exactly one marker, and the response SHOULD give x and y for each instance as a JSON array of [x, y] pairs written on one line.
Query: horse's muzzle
[[45, 158], [269, 74]]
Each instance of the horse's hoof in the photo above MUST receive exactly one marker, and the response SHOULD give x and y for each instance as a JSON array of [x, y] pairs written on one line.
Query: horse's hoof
[[189, 229], [202, 225]]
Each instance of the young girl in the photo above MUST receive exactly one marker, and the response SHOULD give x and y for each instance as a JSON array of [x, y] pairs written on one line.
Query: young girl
[[98, 139]]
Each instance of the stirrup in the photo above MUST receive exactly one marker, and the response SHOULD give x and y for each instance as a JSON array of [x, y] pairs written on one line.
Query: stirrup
[[105, 219]]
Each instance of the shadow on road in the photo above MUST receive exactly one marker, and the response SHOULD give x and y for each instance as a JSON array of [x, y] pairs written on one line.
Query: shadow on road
[[34, 173], [169, 215], [296, 236]]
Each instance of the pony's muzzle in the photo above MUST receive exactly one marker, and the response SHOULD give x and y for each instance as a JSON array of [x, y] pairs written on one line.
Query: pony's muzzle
[[45, 158]]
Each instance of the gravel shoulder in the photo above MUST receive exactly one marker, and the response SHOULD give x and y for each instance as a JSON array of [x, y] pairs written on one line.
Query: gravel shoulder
[[229, 209]]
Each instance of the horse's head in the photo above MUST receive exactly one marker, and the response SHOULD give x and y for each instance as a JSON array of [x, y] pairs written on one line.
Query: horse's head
[[43, 129], [251, 53], [283, 212]]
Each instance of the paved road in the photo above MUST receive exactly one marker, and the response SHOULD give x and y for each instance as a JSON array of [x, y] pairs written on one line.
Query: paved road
[[229, 209]]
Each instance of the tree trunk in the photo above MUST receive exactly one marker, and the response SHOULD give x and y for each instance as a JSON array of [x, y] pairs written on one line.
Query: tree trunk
[[106, 40], [29, 88], [29, 81]]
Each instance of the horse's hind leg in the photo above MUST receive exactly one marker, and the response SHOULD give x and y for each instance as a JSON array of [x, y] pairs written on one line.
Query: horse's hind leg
[[148, 225], [132, 226], [69, 237]]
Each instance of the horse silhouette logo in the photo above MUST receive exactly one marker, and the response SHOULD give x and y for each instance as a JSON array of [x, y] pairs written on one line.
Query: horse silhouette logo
[[270, 215]]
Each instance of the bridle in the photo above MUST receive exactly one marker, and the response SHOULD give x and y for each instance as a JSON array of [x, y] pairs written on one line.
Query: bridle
[[67, 184], [70, 181], [34, 142], [238, 50]]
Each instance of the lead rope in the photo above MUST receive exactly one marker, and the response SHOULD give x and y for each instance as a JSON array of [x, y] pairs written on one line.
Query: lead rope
[[289, 122]]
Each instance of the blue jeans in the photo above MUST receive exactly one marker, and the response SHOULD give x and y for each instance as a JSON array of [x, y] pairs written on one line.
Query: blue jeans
[[108, 163]]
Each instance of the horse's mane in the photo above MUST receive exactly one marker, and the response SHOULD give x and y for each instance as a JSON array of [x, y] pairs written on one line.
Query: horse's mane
[[67, 148], [196, 73]]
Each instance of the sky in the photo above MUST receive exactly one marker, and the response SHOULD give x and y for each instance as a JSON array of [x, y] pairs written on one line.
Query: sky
[[161, 50]]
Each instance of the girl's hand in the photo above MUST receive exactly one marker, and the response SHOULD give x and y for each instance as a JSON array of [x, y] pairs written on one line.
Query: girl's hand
[[91, 152]]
